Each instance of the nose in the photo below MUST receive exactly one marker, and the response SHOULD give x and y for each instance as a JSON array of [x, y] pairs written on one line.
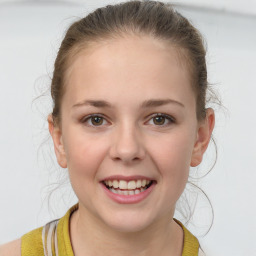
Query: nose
[[127, 145]]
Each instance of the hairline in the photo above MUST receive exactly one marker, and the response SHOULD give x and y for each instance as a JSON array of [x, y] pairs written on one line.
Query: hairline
[[88, 45]]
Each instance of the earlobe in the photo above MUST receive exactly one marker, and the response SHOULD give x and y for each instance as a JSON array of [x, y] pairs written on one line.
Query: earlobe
[[56, 135], [203, 137]]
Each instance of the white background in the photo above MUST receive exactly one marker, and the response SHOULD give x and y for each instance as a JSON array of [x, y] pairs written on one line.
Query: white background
[[30, 33]]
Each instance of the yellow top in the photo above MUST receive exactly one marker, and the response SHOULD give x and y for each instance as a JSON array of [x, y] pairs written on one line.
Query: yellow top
[[32, 243]]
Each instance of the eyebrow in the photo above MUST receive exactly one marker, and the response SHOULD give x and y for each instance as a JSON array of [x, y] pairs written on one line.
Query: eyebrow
[[146, 104]]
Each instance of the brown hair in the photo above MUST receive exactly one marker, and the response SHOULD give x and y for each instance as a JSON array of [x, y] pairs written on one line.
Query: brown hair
[[150, 18]]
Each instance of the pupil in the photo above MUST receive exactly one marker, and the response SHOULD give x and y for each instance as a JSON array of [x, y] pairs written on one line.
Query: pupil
[[97, 120], [159, 120]]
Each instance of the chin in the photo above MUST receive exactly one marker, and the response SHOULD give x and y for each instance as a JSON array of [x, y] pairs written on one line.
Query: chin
[[128, 223]]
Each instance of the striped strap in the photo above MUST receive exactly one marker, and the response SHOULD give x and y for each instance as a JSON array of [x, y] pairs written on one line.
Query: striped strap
[[49, 237], [200, 252]]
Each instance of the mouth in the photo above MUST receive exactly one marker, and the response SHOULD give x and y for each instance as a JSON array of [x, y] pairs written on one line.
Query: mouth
[[128, 188]]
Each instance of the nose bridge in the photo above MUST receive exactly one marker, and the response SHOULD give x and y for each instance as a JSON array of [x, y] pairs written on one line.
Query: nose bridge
[[127, 144]]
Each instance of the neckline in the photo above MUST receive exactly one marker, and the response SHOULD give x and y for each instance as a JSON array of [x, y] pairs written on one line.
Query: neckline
[[190, 242]]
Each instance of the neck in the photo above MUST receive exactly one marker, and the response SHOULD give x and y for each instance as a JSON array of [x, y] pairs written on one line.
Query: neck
[[91, 237]]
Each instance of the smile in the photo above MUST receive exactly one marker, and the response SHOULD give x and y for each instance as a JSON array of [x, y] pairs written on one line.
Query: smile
[[127, 188]]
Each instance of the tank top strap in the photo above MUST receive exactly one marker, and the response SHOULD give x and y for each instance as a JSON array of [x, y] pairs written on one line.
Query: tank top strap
[[49, 238], [41, 241], [190, 242]]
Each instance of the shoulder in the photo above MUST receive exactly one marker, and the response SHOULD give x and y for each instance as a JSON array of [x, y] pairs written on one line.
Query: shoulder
[[31, 243], [11, 249], [28, 244]]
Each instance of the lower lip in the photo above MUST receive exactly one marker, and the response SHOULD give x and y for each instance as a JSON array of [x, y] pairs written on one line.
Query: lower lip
[[129, 199]]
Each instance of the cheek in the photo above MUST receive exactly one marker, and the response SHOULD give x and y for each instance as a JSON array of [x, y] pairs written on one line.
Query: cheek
[[84, 155], [174, 150], [172, 158]]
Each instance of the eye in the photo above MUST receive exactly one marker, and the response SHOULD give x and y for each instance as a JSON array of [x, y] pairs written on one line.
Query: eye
[[162, 119], [94, 120]]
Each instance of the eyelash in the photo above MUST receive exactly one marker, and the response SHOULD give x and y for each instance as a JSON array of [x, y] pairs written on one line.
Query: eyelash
[[170, 119]]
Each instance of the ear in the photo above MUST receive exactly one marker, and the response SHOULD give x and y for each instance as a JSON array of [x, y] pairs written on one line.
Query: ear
[[204, 133], [56, 134]]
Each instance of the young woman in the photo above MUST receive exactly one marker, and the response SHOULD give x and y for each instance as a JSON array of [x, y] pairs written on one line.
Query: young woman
[[129, 119]]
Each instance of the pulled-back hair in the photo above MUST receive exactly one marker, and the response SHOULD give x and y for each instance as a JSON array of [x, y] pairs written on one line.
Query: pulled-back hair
[[143, 18]]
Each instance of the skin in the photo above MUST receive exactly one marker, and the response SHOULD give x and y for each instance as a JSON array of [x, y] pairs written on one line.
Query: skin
[[11, 249], [125, 73]]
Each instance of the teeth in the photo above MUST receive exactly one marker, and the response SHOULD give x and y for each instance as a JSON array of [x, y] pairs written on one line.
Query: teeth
[[138, 183], [131, 184], [123, 187], [143, 183], [123, 184], [114, 191], [115, 184], [131, 192], [127, 192], [137, 191]]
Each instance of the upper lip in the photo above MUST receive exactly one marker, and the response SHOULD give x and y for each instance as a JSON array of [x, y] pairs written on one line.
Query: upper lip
[[127, 178]]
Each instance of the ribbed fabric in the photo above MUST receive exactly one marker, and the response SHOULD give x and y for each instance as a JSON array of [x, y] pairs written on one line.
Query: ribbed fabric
[[190, 242], [64, 243], [32, 245]]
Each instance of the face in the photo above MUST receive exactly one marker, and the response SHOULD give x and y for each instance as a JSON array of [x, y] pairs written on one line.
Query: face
[[129, 132]]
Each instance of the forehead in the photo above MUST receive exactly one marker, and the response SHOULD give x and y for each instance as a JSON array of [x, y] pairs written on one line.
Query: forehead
[[127, 64]]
